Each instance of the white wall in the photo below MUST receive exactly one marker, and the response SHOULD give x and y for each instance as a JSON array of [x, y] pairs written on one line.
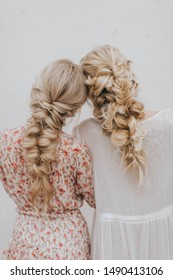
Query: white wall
[[36, 32]]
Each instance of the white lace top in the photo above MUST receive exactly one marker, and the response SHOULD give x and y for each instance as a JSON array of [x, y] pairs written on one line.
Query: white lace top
[[132, 222]]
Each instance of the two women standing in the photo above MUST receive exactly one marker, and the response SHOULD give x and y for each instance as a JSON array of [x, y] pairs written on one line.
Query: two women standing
[[48, 173]]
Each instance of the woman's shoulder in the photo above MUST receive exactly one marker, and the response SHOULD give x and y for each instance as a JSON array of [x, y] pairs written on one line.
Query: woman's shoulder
[[88, 130], [11, 139], [87, 123], [167, 114], [12, 133], [71, 144], [161, 117], [87, 126]]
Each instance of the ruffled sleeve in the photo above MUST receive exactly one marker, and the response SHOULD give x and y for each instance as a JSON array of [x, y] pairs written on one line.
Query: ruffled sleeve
[[84, 180]]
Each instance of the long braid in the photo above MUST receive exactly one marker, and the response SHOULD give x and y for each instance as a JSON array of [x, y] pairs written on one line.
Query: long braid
[[112, 88], [58, 94]]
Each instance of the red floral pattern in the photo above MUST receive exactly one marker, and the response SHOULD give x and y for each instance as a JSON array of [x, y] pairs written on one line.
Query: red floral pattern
[[62, 233]]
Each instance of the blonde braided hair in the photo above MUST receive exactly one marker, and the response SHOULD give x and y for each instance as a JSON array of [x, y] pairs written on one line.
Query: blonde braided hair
[[112, 88], [58, 93]]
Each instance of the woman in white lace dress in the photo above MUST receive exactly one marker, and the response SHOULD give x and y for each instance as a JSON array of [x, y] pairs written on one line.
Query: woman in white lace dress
[[48, 173], [132, 153]]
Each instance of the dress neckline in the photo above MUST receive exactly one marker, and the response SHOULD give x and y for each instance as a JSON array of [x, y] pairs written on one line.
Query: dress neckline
[[155, 115]]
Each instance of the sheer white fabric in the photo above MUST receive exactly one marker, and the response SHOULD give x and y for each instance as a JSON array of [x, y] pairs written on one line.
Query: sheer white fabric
[[132, 222]]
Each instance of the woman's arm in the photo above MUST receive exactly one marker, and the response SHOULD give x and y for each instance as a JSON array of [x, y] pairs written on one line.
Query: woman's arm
[[84, 180]]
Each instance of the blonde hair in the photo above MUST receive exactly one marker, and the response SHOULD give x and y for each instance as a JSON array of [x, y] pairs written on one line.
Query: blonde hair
[[112, 88], [57, 94]]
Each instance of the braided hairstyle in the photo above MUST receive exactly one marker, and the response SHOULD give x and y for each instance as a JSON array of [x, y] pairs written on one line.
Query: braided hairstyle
[[112, 89], [57, 94]]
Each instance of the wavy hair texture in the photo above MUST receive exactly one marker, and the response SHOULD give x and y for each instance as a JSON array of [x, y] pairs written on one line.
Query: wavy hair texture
[[57, 94], [112, 88]]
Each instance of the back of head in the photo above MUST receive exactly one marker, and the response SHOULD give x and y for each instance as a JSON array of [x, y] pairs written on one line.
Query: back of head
[[57, 94], [112, 89]]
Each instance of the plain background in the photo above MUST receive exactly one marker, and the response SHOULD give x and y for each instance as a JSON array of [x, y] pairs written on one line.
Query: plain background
[[36, 32]]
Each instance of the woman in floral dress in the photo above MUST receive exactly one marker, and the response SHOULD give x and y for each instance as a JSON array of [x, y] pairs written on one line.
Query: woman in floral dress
[[47, 173]]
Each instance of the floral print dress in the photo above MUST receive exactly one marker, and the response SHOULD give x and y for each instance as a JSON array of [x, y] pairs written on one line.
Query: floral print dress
[[61, 233]]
